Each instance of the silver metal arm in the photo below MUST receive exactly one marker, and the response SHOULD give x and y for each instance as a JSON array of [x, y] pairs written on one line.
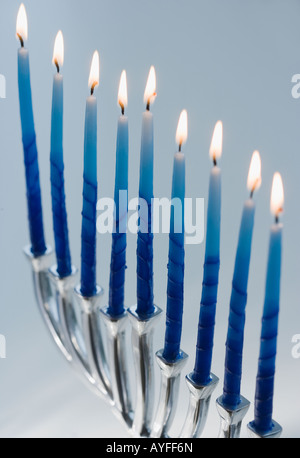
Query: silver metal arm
[[117, 362], [200, 397], [45, 297], [142, 342], [93, 340], [64, 288], [55, 298], [169, 391], [231, 419]]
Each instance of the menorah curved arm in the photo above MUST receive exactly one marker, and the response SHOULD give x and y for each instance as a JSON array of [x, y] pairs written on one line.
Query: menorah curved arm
[[199, 403], [118, 366], [63, 289], [45, 297], [55, 300], [142, 344], [93, 340], [82, 344], [169, 391]]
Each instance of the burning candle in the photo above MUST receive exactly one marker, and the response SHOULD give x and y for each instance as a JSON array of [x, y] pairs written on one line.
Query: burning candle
[[119, 238], [175, 295], [88, 237], [237, 316], [268, 349], [145, 306], [34, 201], [206, 328], [60, 225]]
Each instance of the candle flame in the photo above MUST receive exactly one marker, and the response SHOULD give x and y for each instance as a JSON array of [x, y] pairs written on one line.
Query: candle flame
[[277, 198], [182, 129], [123, 97], [22, 23], [150, 92], [58, 53], [95, 72], [254, 177], [217, 142]]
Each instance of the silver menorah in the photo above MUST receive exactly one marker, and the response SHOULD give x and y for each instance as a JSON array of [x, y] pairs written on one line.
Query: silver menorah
[[99, 356]]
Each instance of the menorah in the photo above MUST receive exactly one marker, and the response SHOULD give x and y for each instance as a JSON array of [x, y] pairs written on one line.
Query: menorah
[[99, 356], [93, 339]]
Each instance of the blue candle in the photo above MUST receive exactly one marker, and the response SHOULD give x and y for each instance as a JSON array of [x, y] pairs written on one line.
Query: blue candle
[[34, 201], [88, 237], [145, 305], [119, 238], [237, 316], [60, 225], [175, 293], [206, 328], [267, 358]]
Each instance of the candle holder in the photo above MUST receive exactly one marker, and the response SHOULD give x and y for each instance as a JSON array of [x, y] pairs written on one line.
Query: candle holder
[[200, 397], [94, 353], [117, 363], [94, 344], [275, 432], [45, 296], [142, 344], [169, 391], [231, 419]]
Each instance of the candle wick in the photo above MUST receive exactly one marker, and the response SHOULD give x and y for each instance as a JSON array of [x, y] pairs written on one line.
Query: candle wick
[[180, 147], [122, 108], [253, 190], [21, 40], [215, 162], [280, 210], [57, 65], [148, 105], [93, 88]]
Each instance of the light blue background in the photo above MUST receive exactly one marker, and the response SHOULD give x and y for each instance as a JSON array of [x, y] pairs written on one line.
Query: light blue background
[[220, 59]]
